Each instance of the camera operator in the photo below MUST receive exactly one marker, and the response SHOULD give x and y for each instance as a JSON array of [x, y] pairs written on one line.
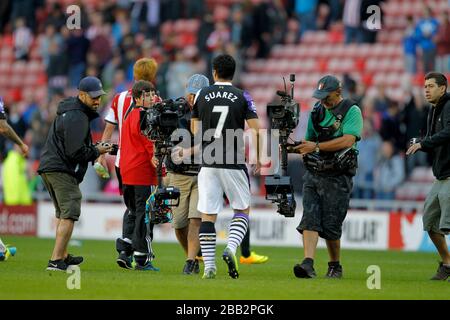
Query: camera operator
[[182, 175], [64, 161], [436, 212], [143, 69], [334, 126], [137, 167]]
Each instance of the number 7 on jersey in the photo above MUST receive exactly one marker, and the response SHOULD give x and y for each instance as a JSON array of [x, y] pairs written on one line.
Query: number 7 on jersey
[[223, 116]]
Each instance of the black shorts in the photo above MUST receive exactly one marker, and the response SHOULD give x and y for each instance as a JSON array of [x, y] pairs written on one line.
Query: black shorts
[[325, 204]]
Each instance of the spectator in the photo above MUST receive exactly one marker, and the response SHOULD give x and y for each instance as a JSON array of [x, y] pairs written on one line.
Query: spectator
[[368, 146], [40, 124], [111, 68], [177, 76], [236, 25], [323, 17], [443, 44], [121, 27], [262, 28], [219, 37], [391, 126], [389, 172], [279, 21], [23, 39], [56, 16], [426, 30], [16, 120], [57, 69], [306, 12], [409, 46], [381, 101], [336, 8], [291, 36], [352, 90], [48, 39], [368, 35], [352, 21], [414, 118], [247, 26], [77, 46]]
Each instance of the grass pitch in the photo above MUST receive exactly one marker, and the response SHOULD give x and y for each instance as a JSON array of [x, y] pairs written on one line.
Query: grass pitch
[[403, 276]]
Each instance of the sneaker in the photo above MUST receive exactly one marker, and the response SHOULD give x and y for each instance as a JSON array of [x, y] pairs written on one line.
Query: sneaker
[[56, 265], [189, 267], [125, 261], [253, 259], [71, 260], [304, 270], [147, 267], [442, 273], [9, 252], [231, 261], [334, 272], [196, 266], [209, 274]]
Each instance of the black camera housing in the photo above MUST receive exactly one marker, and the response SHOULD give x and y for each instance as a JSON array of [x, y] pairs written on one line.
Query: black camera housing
[[164, 199], [284, 117], [115, 149], [157, 124], [161, 120], [279, 190]]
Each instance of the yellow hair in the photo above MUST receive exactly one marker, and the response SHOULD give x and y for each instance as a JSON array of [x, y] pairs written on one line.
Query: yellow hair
[[145, 69]]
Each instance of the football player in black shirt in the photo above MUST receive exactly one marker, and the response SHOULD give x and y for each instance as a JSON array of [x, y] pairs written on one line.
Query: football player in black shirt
[[219, 115]]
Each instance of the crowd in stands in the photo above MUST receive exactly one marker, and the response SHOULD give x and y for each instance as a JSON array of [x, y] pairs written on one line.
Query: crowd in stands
[[185, 35]]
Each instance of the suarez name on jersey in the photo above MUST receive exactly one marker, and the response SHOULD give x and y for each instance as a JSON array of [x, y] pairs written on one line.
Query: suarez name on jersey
[[222, 110]]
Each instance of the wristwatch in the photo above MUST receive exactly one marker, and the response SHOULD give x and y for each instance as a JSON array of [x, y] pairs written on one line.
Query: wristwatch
[[317, 150]]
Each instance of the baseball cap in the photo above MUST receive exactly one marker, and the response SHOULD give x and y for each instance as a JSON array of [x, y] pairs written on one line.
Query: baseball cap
[[197, 82], [325, 86], [91, 85]]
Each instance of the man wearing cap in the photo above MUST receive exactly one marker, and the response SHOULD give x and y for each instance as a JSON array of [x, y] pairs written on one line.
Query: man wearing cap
[[64, 161], [329, 154], [183, 175]]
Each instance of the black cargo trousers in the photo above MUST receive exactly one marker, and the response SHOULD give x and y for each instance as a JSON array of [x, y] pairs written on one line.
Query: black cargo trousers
[[325, 204]]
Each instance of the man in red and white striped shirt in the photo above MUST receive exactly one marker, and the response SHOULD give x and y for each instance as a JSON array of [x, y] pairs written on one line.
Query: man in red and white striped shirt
[[143, 69]]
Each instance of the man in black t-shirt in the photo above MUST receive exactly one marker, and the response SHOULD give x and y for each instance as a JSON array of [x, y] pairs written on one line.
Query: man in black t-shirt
[[220, 111]]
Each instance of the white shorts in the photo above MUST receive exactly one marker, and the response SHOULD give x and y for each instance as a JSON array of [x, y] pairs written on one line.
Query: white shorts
[[214, 182]]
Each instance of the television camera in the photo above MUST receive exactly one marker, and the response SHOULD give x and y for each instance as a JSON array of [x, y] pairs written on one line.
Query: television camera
[[157, 124], [284, 117]]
